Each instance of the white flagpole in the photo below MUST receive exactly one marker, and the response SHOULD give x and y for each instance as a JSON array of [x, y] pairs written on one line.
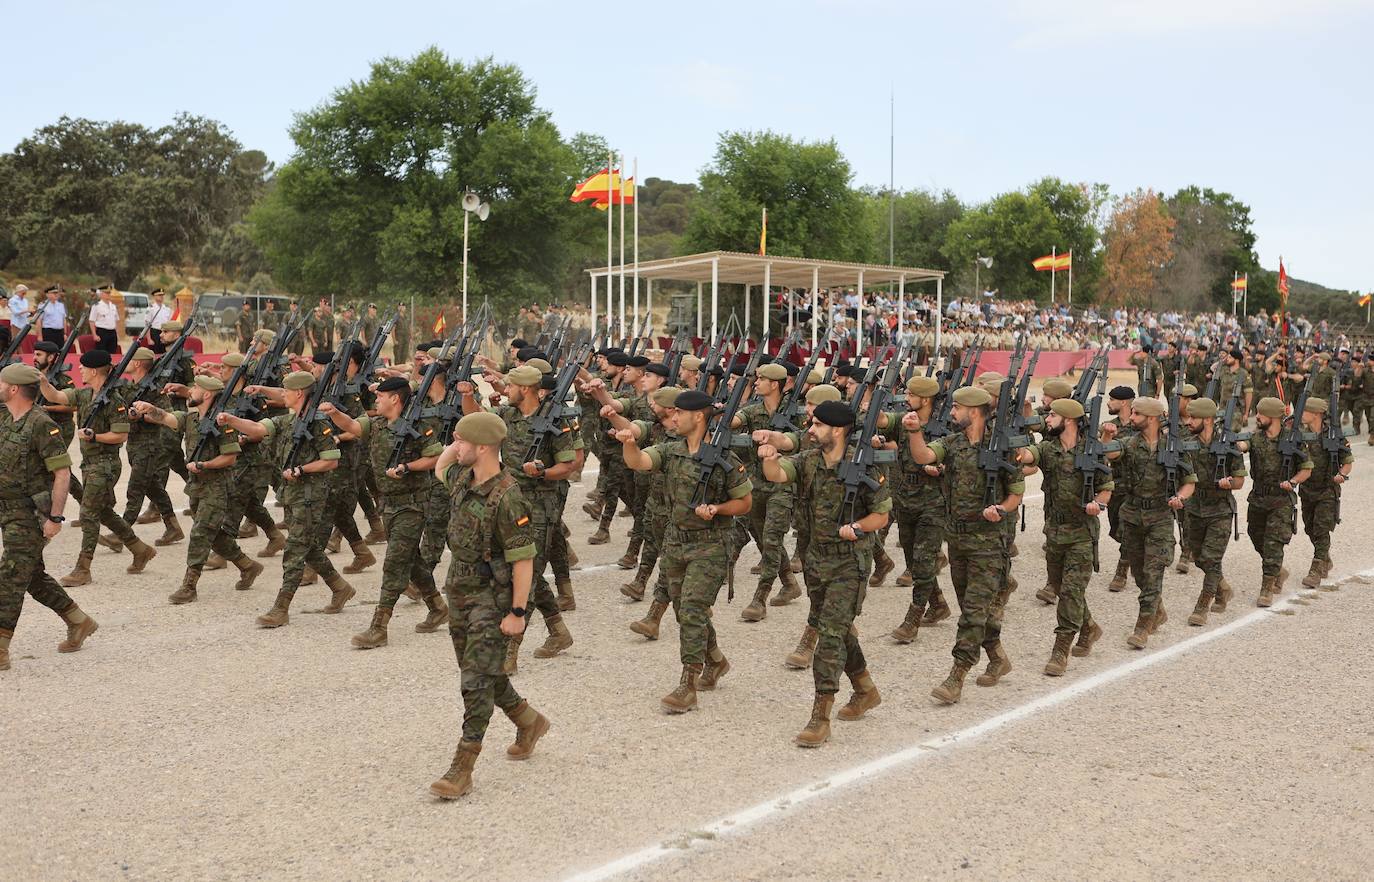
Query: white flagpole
[[1053, 253], [621, 191], [610, 210], [1070, 277], [635, 179]]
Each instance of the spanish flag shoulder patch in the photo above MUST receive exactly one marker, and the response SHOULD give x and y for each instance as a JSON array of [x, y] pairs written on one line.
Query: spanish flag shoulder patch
[[524, 519], [54, 431]]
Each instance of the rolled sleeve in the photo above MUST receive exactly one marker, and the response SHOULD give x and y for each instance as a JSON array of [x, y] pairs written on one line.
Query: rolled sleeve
[[789, 469], [330, 455], [523, 552]]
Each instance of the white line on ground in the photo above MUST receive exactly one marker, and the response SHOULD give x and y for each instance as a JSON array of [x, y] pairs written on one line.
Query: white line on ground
[[739, 821]]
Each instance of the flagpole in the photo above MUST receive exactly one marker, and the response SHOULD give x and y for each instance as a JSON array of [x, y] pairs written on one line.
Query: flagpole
[[1070, 277], [1053, 254], [1245, 307], [610, 210], [635, 197], [621, 189], [1235, 277]]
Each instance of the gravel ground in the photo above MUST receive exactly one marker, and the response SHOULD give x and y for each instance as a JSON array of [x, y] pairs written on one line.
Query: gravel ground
[[184, 742]]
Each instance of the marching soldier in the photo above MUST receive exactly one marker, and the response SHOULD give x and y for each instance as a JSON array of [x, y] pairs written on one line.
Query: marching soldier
[[150, 459], [919, 506], [1207, 514], [1320, 494], [1270, 505], [1119, 400], [244, 326], [44, 356]]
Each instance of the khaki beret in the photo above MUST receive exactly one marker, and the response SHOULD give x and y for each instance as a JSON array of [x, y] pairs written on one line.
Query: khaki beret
[[209, 383], [772, 371], [1316, 405], [926, 387], [1067, 408], [266, 335], [815, 378], [299, 380], [19, 374], [232, 359], [1202, 408], [821, 393], [990, 377], [972, 396], [540, 365], [172, 325], [482, 428], [1271, 407], [434, 351], [1150, 407], [691, 363], [525, 375], [1057, 388], [666, 396], [143, 355], [1187, 390]]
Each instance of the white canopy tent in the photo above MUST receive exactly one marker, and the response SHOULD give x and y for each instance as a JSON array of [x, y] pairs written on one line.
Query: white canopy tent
[[766, 271]]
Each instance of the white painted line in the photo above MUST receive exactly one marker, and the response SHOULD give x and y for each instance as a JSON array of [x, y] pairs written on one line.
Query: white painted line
[[739, 821], [599, 568]]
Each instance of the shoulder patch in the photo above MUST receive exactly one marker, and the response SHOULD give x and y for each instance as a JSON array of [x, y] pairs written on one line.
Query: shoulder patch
[[54, 431], [525, 519]]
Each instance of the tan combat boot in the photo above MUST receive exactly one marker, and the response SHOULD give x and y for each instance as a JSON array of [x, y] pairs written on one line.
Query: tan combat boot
[[5, 636], [511, 665], [276, 541], [882, 565], [937, 610], [172, 534], [1200, 609], [530, 726], [756, 569], [335, 542], [1224, 594], [1049, 594], [277, 615], [684, 697], [1161, 616], [717, 666], [592, 508], [149, 516], [1141, 635], [817, 730], [789, 592], [1314, 575], [563, 587], [1283, 579], [142, 552], [648, 626], [630, 559], [437, 617], [904, 580], [796, 564], [1123, 569], [864, 699], [249, 570], [949, 691], [1266, 595], [1059, 656], [248, 530], [757, 610], [1013, 551], [187, 592], [80, 574], [457, 781], [340, 592], [375, 635], [800, 658], [999, 665], [911, 625], [362, 558], [79, 627], [215, 562], [1185, 557], [600, 537], [1090, 634], [105, 540], [1326, 568], [309, 576], [559, 639], [635, 588], [376, 531]]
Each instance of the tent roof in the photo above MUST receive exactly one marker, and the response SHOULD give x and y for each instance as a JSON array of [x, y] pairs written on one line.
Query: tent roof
[[792, 272]]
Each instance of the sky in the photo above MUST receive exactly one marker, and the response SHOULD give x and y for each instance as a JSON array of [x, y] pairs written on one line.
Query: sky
[[1269, 100]]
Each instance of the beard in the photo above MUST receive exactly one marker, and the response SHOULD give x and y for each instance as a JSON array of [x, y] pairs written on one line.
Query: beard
[[961, 425], [1054, 431]]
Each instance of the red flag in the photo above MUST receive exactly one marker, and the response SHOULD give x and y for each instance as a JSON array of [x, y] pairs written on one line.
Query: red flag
[[439, 325]]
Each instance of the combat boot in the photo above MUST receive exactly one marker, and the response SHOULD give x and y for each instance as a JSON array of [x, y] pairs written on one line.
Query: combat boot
[[592, 509], [5, 636], [1161, 616], [309, 576], [376, 531], [1283, 579], [335, 542], [800, 658], [511, 665], [563, 586], [278, 615], [684, 697], [149, 516], [105, 540], [187, 592], [864, 699], [559, 639], [1224, 595], [999, 665], [1326, 567], [1266, 595], [630, 558], [172, 534], [937, 610], [756, 611], [635, 588], [795, 565], [717, 666], [600, 537], [1314, 575], [1141, 635], [789, 592], [941, 561], [817, 730], [949, 691], [437, 617], [530, 726], [1185, 557], [276, 541], [375, 635], [904, 580], [756, 570], [1049, 594], [1123, 569], [457, 781], [80, 574], [648, 626], [362, 558], [1200, 609], [911, 625], [340, 592], [79, 627], [572, 555], [215, 562], [1089, 635], [1059, 656], [248, 530], [1013, 551], [882, 565], [249, 570]]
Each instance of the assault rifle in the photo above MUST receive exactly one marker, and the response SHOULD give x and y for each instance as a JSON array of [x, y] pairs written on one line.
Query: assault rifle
[[249, 407], [1291, 440], [300, 428], [786, 417], [992, 455], [207, 430], [1145, 383], [59, 363], [105, 396], [18, 339], [937, 426], [1225, 445], [869, 377], [161, 373], [548, 420], [364, 376], [1089, 378], [1172, 447], [709, 361], [337, 372], [1333, 439], [1020, 423], [1091, 459], [408, 426], [855, 471]]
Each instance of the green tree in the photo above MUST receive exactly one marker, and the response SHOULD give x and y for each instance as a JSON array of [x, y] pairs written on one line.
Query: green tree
[[1213, 242], [113, 199], [921, 228], [371, 202]]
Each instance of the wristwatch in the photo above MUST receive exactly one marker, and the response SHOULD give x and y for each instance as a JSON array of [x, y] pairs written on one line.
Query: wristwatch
[[56, 519], [518, 612]]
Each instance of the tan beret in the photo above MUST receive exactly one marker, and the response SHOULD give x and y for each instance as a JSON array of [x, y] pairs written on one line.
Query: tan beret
[[691, 363], [772, 371], [1316, 405], [815, 378], [1057, 388], [482, 428], [1271, 407], [266, 335], [434, 351], [1202, 408], [143, 355], [1067, 408], [525, 375], [821, 393], [209, 383], [990, 377], [232, 359], [1187, 390], [926, 387], [19, 374], [1150, 407], [666, 396], [972, 396], [540, 365], [172, 325], [299, 380]]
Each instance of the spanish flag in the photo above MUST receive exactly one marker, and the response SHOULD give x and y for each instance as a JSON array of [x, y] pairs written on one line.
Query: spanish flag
[[1053, 262], [626, 197], [604, 188], [439, 324], [763, 235], [1364, 301], [1241, 283]]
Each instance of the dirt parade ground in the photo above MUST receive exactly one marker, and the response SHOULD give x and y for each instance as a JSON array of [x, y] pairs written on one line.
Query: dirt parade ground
[[185, 743]]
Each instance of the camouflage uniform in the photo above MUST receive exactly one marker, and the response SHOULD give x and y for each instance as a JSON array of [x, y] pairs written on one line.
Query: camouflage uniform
[[100, 467], [217, 512], [1319, 495], [1224, 387], [1149, 374], [1207, 515], [771, 516], [404, 501], [919, 509], [1070, 533], [1147, 522], [655, 512], [306, 499], [400, 341], [150, 460], [244, 327], [343, 489], [1269, 508], [66, 425], [491, 529]]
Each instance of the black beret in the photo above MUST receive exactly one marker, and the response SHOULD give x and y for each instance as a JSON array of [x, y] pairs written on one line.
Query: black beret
[[1236, 353], [324, 357], [791, 368], [394, 384], [603, 351], [1146, 348], [637, 361], [610, 349], [528, 352], [717, 372], [519, 343], [617, 359], [96, 358], [1121, 393], [843, 370], [549, 382], [46, 346], [693, 400], [428, 345], [737, 367], [834, 413], [657, 368], [358, 355]]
